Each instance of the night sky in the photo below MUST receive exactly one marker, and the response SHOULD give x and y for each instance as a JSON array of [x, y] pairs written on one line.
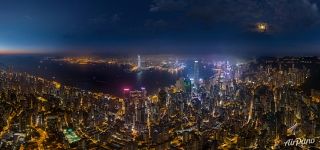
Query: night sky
[[161, 26]]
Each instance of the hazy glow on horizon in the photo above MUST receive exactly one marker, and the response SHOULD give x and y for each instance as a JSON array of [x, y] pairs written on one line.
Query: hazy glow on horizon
[[16, 51]]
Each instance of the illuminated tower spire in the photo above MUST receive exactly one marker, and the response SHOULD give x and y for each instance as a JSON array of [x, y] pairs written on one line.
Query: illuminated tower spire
[[139, 62]]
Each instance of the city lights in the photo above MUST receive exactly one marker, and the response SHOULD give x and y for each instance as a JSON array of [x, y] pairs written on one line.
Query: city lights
[[160, 75], [70, 135], [195, 109]]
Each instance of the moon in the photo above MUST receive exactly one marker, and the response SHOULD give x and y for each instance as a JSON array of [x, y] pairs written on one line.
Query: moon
[[262, 27]]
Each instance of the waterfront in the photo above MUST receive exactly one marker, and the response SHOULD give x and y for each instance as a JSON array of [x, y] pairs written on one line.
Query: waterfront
[[253, 105], [107, 78], [160, 75]]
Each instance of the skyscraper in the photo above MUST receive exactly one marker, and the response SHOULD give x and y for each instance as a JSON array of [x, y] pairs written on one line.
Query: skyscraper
[[139, 62], [196, 73], [187, 86], [138, 99]]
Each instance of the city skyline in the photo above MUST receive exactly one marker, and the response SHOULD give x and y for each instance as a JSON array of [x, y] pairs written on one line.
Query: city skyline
[[267, 103], [159, 74]]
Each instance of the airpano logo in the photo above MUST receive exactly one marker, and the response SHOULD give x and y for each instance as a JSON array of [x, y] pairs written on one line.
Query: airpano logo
[[300, 142]]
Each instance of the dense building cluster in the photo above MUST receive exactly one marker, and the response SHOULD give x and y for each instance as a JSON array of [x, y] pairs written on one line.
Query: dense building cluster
[[256, 105]]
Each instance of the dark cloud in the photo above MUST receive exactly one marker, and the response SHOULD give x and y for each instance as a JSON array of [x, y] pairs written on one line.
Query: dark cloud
[[156, 24], [115, 18], [168, 5], [281, 15], [103, 19]]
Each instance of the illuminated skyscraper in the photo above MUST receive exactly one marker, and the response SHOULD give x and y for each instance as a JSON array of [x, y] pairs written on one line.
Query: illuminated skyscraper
[[187, 86], [138, 99], [196, 72], [126, 93], [139, 62], [162, 97]]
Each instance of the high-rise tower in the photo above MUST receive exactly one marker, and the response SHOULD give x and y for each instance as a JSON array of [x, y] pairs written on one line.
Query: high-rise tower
[[139, 62], [196, 72]]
